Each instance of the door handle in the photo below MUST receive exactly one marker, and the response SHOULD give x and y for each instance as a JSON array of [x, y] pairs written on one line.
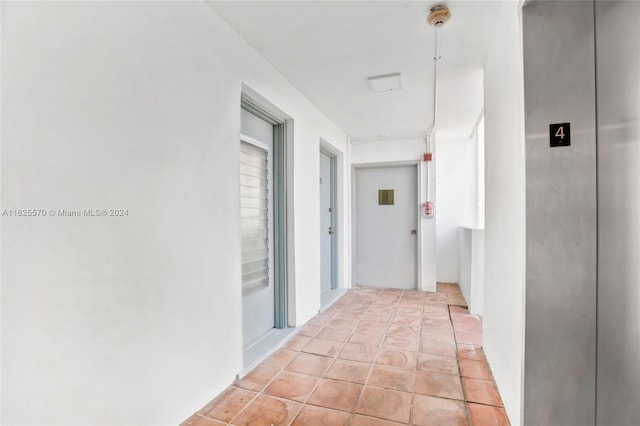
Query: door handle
[[331, 230], [414, 232]]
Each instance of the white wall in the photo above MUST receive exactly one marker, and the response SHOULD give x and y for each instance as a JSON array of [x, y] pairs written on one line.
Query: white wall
[[456, 201], [471, 268], [390, 151], [505, 209], [133, 105]]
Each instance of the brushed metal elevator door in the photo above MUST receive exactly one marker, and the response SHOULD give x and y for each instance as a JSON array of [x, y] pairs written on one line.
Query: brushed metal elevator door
[[561, 217], [618, 71]]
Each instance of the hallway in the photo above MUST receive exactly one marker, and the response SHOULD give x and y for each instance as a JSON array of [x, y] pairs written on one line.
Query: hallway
[[375, 357]]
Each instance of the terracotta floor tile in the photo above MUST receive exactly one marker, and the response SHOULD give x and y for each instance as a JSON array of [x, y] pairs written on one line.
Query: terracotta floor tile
[[336, 334], [310, 330], [319, 416], [385, 403], [456, 299], [365, 339], [380, 309], [357, 352], [367, 327], [458, 310], [350, 371], [336, 394], [317, 322], [436, 299], [435, 314], [268, 411], [481, 391], [467, 324], [429, 410], [355, 309], [471, 352], [447, 287], [392, 378], [408, 321], [348, 324], [439, 384], [400, 342], [437, 347], [373, 316], [197, 420], [359, 420], [280, 358], [352, 315], [397, 358], [435, 310], [297, 342], [375, 357], [436, 322], [436, 325], [410, 311], [403, 330], [322, 347], [469, 338], [313, 365], [442, 336], [228, 404], [291, 386], [475, 369], [258, 378], [482, 415], [437, 363]]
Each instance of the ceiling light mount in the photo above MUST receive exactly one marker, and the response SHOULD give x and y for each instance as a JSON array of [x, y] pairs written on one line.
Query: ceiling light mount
[[385, 83], [439, 15]]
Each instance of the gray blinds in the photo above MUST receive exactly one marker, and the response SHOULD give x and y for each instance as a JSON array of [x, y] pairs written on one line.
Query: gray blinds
[[254, 215]]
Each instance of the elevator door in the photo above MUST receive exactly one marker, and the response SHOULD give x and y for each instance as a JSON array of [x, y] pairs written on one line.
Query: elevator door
[[618, 68]]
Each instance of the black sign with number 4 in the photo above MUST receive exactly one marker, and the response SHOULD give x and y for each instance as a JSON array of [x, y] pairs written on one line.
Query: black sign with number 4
[[559, 135]]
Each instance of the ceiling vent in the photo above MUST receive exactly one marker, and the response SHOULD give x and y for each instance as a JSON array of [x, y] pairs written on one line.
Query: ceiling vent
[[385, 83]]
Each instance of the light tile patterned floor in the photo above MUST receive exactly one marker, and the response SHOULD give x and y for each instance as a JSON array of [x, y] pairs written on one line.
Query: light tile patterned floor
[[376, 357]]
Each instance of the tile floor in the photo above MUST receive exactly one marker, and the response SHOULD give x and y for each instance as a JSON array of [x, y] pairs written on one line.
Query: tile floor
[[376, 357]]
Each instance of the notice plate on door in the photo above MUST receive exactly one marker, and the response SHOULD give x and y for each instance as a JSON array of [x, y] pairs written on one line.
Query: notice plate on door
[[559, 135]]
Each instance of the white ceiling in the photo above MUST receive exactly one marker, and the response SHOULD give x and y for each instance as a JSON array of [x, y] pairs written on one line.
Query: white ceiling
[[327, 49]]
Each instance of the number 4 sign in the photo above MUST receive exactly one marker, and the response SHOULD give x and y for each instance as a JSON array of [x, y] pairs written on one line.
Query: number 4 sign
[[559, 134]]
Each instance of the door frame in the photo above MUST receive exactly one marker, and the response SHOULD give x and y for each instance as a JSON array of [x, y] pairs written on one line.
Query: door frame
[[334, 217], [420, 189], [281, 204]]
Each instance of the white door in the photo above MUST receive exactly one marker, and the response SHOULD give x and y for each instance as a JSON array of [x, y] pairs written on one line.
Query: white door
[[327, 233], [256, 224], [385, 226]]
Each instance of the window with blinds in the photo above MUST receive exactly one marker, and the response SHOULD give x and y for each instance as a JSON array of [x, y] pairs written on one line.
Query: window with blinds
[[254, 215]]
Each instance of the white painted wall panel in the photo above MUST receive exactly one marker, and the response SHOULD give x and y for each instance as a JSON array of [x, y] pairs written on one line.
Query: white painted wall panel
[[136, 105], [503, 321]]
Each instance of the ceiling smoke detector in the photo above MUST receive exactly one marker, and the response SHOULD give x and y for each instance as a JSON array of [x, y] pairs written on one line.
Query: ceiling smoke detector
[[439, 15]]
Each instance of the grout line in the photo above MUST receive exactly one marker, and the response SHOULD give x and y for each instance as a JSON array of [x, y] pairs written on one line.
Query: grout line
[[464, 391], [373, 362], [415, 370], [332, 360]]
